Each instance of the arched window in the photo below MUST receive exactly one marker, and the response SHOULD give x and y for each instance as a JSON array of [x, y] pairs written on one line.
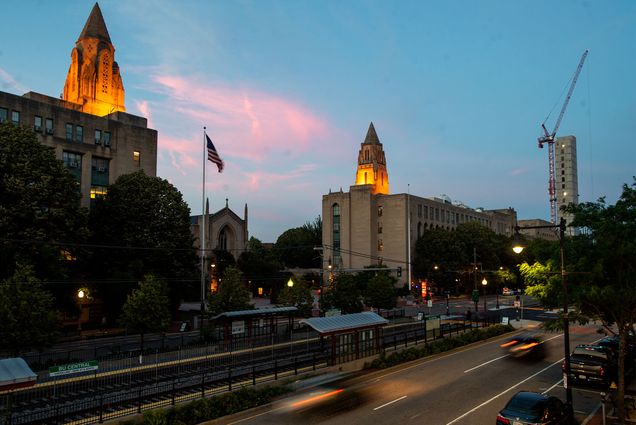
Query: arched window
[[222, 242]]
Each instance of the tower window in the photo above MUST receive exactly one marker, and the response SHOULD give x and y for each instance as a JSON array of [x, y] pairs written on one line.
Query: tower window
[[69, 132], [380, 211], [136, 156], [379, 227]]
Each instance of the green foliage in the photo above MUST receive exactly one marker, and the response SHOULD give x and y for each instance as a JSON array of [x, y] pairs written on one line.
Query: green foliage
[[295, 247], [260, 266], [27, 315], [438, 346], [381, 292], [147, 308], [148, 220], [232, 295], [343, 295], [543, 282], [206, 409], [298, 296], [39, 203]]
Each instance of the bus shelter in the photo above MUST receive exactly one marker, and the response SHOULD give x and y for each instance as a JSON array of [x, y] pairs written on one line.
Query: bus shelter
[[350, 336], [249, 323]]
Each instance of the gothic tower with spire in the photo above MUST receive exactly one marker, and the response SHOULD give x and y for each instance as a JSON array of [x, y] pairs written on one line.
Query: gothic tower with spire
[[372, 164], [93, 79]]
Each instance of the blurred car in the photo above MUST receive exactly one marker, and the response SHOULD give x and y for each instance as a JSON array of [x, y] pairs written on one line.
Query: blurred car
[[527, 407], [525, 345]]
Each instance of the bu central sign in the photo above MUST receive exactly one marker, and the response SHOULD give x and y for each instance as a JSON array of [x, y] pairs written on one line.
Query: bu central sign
[[73, 368]]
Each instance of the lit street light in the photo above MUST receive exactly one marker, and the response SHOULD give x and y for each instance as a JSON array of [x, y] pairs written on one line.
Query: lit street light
[[484, 282], [517, 248], [290, 282]]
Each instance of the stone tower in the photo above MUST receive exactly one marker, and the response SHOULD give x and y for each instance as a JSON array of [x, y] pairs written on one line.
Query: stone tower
[[93, 79], [372, 164]]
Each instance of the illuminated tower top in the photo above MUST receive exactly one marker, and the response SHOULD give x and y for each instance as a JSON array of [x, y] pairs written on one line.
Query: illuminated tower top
[[372, 164], [93, 79]]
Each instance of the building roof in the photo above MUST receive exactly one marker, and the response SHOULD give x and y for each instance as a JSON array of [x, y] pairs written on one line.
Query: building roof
[[256, 312], [345, 322], [15, 372], [372, 136], [95, 26]]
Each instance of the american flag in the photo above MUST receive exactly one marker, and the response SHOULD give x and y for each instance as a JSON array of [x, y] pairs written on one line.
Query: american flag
[[213, 155]]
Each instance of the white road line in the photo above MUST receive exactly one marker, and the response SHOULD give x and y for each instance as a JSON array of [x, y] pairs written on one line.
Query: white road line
[[484, 364], [390, 402], [503, 392]]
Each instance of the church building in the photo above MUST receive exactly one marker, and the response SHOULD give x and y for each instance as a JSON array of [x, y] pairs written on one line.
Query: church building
[[88, 127], [369, 226]]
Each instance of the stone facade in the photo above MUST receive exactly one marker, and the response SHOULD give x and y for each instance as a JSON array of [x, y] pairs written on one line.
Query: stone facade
[[224, 230], [96, 148], [364, 228], [567, 180]]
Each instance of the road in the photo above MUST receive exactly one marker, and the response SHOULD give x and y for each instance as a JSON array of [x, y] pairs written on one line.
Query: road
[[465, 387]]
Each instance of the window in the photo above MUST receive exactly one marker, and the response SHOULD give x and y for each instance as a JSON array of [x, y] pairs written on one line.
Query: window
[[4, 114], [97, 192], [380, 245], [73, 161], [79, 134], [136, 156], [562, 179], [37, 124], [379, 227], [98, 136], [15, 117], [335, 231], [69, 132], [562, 186], [99, 171], [419, 210], [380, 211], [48, 126], [106, 138]]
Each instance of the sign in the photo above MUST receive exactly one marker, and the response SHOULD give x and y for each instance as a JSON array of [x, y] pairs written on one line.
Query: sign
[[475, 295], [238, 327], [429, 303], [420, 317], [424, 289], [73, 368], [504, 320]]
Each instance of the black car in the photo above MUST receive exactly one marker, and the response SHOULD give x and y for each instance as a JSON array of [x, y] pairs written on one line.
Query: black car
[[525, 346], [613, 343], [527, 407], [593, 364]]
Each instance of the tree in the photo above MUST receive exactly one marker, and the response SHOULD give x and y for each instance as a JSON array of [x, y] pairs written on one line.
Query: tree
[[343, 295], [27, 317], [260, 266], [147, 309], [40, 213], [232, 294], [295, 247], [380, 292], [142, 227], [606, 292], [543, 282], [299, 296]]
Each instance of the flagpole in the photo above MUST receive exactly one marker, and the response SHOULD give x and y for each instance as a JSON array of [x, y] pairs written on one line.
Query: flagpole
[[203, 218]]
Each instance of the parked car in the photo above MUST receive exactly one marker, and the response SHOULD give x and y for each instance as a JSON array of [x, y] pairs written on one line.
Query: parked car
[[528, 407], [613, 342], [592, 364], [525, 346]]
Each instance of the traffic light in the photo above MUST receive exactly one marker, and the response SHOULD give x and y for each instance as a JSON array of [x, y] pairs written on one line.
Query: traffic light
[[399, 272]]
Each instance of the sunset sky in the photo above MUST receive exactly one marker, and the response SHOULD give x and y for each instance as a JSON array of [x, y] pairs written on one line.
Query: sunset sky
[[457, 91]]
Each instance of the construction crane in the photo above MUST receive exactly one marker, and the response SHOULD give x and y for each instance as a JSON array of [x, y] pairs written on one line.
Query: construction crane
[[549, 138]]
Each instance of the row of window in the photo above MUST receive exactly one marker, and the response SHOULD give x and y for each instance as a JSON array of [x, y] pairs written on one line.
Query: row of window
[[73, 133]]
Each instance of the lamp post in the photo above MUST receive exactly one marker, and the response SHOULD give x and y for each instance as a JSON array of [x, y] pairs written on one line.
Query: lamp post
[[517, 248], [484, 282], [290, 283]]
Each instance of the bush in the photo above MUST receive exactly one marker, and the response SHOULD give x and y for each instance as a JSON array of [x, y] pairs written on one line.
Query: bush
[[439, 346]]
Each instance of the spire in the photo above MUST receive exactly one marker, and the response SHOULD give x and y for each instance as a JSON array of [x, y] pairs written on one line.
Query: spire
[[95, 26], [372, 136]]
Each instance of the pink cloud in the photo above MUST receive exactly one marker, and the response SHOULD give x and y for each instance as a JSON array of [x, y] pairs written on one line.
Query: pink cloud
[[249, 123], [144, 109]]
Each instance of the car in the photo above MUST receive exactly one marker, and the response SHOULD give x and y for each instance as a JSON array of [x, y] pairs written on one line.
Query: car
[[527, 407], [613, 343], [593, 364], [525, 346]]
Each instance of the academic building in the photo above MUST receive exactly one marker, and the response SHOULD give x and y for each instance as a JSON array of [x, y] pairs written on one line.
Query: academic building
[[566, 175], [368, 226], [88, 127]]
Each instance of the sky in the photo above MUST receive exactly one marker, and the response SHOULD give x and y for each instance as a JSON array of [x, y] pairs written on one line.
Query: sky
[[457, 91]]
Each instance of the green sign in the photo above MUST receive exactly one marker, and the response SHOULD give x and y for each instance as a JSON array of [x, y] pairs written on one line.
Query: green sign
[[475, 295], [436, 317], [73, 368]]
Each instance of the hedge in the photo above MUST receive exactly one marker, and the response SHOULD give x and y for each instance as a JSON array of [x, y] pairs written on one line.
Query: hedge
[[439, 346]]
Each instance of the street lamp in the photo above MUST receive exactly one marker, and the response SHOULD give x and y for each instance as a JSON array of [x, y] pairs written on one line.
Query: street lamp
[[290, 283], [82, 294], [484, 282], [517, 248]]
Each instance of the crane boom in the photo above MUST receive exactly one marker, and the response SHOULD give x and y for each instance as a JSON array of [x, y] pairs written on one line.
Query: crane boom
[[549, 138]]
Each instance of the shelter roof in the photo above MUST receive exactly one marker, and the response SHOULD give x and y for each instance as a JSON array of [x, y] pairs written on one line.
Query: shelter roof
[[345, 322], [15, 372], [256, 312]]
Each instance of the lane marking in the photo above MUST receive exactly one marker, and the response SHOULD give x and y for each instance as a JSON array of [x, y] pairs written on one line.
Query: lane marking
[[499, 358], [503, 392], [390, 402]]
